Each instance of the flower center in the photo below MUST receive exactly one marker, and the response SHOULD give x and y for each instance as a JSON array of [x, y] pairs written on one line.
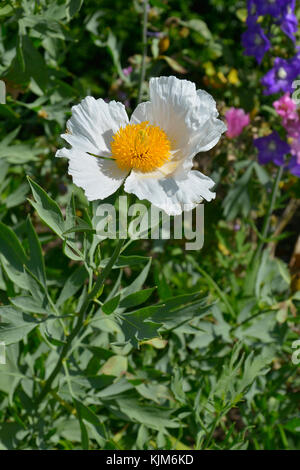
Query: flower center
[[272, 146], [141, 147], [282, 73], [258, 40]]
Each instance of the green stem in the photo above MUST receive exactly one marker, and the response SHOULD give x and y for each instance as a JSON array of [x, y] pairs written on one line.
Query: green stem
[[251, 318], [143, 65], [80, 320], [267, 221], [215, 286], [283, 437], [213, 428]]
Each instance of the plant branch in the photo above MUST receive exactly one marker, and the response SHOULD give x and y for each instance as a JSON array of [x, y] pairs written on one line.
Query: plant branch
[[287, 216], [80, 320], [143, 64], [215, 286], [267, 221]]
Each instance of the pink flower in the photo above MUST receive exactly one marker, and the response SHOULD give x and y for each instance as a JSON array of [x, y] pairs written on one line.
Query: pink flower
[[127, 71], [292, 126], [295, 150], [236, 119], [286, 107]]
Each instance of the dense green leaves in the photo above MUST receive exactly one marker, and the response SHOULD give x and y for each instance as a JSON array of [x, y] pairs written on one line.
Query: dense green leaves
[[157, 348]]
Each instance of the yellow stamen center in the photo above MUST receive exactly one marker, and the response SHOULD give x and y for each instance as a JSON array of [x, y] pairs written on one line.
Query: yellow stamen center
[[141, 147]]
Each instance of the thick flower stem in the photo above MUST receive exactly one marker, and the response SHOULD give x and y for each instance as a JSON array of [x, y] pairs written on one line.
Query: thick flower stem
[[267, 221], [143, 64], [80, 320]]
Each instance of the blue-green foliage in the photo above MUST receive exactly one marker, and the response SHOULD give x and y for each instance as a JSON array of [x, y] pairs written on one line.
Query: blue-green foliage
[[176, 349]]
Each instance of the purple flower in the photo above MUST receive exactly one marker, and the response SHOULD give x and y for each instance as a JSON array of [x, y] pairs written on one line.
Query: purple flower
[[269, 7], [255, 42], [281, 76], [271, 149], [252, 12], [294, 166], [123, 97], [289, 22]]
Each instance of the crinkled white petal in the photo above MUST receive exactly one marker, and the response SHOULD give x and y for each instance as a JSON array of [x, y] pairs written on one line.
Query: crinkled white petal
[[208, 134], [173, 195], [170, 101], [98, 177], [143, 112], [188, 116], [93, 124]]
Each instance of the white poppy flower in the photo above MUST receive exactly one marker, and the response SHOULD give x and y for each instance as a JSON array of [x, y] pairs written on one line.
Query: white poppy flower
[[153, 152]]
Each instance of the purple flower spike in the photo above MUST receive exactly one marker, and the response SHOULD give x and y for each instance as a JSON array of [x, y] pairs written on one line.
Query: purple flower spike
[[270, 7], [255, 42], [294, 166], [289, 22], [271, 149], [252, 13], [281, 76]]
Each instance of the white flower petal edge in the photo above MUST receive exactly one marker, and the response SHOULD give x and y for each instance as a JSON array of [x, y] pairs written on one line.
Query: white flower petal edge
[[93, 123], [99, 178], [172, 195], [90, 129], [189, 118]]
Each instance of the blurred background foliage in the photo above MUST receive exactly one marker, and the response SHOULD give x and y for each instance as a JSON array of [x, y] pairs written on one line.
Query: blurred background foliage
[[219, 373]]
